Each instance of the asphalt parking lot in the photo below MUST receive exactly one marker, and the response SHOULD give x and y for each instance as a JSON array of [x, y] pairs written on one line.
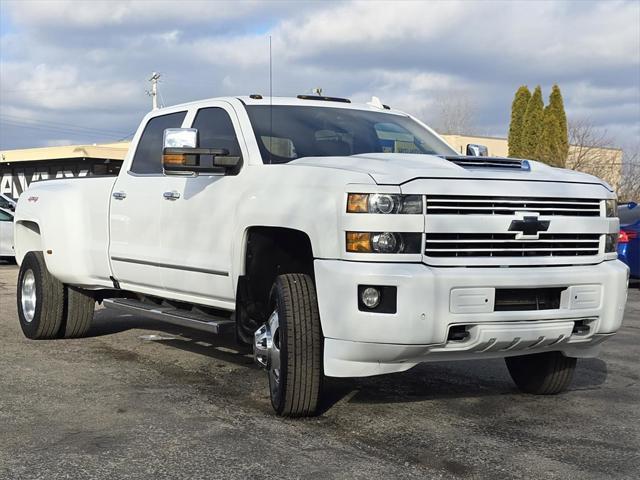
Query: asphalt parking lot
[[143, 400]]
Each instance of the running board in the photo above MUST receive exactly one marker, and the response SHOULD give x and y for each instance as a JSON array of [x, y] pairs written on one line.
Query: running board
[[182, 318]]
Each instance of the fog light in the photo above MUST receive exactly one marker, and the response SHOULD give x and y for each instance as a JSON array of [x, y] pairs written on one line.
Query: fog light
[[371, 297]]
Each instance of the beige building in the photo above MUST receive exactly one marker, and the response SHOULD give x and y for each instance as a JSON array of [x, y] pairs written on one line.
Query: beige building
[[605, 163], [18, 168]]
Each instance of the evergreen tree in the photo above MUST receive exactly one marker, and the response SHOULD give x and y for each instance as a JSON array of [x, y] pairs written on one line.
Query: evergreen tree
[[518, 110], [533, 124], [549, 148], [556, 108]]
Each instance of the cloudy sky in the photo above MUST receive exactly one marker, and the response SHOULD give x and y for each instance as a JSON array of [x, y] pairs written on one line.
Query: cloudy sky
[[77, 71]]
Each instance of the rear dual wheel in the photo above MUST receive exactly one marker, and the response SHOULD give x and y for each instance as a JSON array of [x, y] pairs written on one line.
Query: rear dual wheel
[[46, 307]]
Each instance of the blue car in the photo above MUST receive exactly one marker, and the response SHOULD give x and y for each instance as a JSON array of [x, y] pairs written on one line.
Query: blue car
[[629, 238]]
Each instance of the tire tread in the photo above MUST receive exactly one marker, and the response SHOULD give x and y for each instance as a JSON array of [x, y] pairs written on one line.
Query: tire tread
[[297, 299], [546, 373], [79, 312], [49, 298]]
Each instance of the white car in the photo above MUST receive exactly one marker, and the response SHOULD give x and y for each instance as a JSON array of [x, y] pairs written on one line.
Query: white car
[[340, 239], [7, 203], [6, 233]]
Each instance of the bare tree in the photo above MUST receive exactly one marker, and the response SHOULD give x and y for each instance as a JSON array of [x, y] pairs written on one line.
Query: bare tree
[[630, 183], [591, 152], [454, 113]]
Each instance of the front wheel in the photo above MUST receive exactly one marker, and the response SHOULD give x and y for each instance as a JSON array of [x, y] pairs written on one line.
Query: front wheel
[[541, 373], [290, 345]]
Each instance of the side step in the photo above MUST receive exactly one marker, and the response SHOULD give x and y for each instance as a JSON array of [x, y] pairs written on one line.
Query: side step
[[175, 316]]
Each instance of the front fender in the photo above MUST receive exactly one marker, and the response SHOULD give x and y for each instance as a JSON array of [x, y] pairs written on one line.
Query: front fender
[[305, 198]]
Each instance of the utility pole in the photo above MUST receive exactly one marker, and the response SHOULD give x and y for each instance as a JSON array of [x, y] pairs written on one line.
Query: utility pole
[[154, 90]]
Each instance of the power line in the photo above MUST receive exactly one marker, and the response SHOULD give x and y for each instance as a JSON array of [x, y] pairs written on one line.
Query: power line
[[14, 90], [69, 126], [56, 129], [127, 137]]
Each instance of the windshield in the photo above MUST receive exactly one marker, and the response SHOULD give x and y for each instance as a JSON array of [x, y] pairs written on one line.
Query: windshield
[[285, 133]]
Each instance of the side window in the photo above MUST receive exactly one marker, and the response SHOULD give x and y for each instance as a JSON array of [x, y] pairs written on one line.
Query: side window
[[5, 217], [148, 156], [215, 130]]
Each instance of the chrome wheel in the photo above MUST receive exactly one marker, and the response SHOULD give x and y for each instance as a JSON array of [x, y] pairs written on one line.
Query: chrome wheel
[[266, 348], [28, 296]]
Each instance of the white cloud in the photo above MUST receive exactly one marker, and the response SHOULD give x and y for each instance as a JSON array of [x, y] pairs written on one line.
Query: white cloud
[[97, 13], [92, 58]]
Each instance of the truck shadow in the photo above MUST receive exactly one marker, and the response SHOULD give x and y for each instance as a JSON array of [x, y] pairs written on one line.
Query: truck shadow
[[429, 381], [447, 380], [218, 347]]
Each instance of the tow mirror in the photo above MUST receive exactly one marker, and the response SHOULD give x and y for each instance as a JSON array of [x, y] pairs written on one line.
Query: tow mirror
[[180, 154], [474, 150]]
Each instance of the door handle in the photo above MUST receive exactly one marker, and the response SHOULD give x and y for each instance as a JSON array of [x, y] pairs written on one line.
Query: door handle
[[119, 195], [173, 195]]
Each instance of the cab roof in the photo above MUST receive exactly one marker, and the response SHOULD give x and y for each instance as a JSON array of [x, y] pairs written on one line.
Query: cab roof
[[301, 100]]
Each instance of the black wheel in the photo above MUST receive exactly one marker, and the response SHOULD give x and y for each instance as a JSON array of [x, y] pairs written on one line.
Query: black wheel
[[40, 299], [79, 314], [541, 373], [291, 347]]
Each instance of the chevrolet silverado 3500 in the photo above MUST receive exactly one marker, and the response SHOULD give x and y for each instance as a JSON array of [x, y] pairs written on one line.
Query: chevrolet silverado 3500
[[339, 239]]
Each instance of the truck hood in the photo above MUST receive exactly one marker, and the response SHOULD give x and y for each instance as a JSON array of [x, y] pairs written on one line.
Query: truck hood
[[399, 168]]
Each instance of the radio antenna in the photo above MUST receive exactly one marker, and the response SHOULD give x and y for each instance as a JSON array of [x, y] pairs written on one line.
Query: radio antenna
[[270, 100]]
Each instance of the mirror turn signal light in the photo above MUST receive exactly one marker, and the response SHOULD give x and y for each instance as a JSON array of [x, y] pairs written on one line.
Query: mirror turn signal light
[[174, 159]]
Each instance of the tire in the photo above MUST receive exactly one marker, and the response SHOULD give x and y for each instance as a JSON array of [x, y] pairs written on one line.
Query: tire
[[296, 391], [79, 312], [541, 373], [40, 299]]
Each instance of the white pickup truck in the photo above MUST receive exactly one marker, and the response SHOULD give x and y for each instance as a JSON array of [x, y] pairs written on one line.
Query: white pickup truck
[[340, 239]]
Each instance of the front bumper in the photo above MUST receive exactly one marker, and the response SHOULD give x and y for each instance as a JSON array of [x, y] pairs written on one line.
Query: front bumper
[[359, 343]]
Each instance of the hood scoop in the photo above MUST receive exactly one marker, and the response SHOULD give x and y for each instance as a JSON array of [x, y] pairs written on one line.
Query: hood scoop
[[489, 162]]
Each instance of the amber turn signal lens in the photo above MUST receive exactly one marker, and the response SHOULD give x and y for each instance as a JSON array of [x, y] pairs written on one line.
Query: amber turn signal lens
[[357, 203], [359, 242], [173, 159]]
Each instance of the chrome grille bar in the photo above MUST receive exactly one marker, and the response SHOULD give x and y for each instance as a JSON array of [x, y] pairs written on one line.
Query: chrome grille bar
[[506, 245], [480, 205]]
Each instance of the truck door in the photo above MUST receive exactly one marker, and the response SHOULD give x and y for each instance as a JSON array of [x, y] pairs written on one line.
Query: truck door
[[136, 208], [198, 218]]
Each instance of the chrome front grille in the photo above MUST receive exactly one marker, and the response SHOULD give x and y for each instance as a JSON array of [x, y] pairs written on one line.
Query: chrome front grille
[[506, 245], [481, 205]]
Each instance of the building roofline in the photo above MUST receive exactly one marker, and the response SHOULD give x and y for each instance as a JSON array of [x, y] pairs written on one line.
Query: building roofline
[[505, 139], [112, 151]]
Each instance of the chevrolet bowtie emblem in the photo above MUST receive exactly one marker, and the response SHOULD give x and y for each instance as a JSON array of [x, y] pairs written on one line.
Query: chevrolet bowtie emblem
[[529, 226]]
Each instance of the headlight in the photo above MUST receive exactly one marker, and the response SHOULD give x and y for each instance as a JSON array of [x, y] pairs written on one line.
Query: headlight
[[383, 242], [611, 243], [611, 207], [384, 203]]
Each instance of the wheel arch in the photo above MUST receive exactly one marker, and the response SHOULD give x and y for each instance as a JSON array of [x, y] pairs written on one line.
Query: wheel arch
[[266, 253], [27, 238]]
